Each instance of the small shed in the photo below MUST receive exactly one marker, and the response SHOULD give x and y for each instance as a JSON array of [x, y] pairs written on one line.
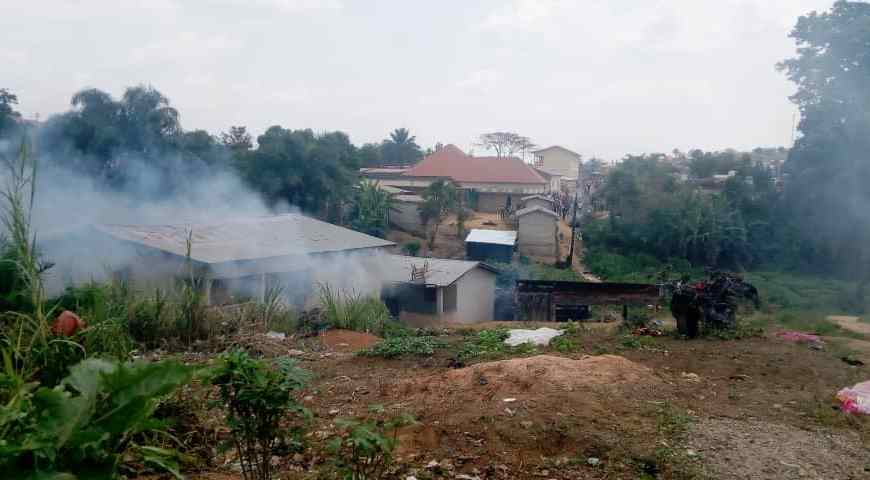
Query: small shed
[[492, 245], [428, 291], [405, 213], [538, 201], [537, 231]]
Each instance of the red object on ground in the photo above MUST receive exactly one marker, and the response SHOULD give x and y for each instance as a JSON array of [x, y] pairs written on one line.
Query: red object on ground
[[792, 336], [67, 324]]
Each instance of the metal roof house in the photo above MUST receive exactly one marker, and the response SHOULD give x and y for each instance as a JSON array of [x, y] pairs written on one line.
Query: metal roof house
[[494, 245], [492, 183], [426, 291], [242, 258]]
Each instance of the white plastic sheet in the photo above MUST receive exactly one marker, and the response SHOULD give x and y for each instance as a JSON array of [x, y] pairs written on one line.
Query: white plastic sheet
[[540, 336]]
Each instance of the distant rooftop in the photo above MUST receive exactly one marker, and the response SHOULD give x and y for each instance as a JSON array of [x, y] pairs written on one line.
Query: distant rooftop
[[498, 237], [536, 208], [250, 238], [451, 162], [441, 272]]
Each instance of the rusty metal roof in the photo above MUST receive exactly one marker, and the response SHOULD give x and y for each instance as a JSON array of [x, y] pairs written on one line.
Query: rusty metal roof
[[248, 238]]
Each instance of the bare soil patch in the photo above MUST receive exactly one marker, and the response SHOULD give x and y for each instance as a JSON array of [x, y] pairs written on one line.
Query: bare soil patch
[[853, 324], [347, 340], [754, 449]]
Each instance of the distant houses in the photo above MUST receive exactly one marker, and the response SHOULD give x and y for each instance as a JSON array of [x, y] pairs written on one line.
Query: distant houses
[[490, 184], [557, 160]]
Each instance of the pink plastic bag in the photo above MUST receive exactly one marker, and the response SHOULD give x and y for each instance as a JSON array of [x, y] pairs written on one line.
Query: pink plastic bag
[[855, 399], [799, 337]]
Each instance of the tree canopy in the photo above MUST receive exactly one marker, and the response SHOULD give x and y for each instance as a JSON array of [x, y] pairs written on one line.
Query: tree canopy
[[829, 167], [400, 149], [8, 116], [505, 144], [315, 172]]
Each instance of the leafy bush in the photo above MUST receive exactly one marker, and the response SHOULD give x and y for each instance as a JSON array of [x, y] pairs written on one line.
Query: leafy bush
[[490, 344], [257, 399], [88, 425], [364, 451], [412, 248], [406, 345], [563, 343], [353, 311]]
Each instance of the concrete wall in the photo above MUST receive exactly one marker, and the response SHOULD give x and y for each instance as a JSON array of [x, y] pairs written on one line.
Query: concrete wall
[[475, 297], [406, 216], [559, 161], [538, 202], [493, 202], [536, 234]]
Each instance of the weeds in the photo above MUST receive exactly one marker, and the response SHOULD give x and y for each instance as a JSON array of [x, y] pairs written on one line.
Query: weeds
[[490, 344], [364, 449], [353, 311], [407, 345], [257, 399]]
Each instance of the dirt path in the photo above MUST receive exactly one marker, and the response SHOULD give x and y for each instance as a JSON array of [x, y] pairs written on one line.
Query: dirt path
[[565, 247], [753, 449], [853, 324]]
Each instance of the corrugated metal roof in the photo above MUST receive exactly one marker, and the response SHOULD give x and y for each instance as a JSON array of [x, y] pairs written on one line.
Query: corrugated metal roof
[[247, 238], [541, 197], [499, 237], [391, 189], [536, 208], [408, 198], [442, 272]]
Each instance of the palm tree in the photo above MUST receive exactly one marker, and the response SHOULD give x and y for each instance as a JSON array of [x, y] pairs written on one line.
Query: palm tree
[[401, 148]]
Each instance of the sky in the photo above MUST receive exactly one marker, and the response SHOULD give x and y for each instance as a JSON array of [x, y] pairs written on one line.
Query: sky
[[601, 77]]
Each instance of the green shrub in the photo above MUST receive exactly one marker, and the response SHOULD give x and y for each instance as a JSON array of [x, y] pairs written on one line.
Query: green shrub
[[353, 311], [257, 399], [407, 345], [412, 248], [490, 344], [88, 425], [563, 343], [364, 449]]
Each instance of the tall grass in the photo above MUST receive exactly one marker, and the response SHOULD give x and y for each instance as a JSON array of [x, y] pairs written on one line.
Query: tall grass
[[26, 328], [352, 311]]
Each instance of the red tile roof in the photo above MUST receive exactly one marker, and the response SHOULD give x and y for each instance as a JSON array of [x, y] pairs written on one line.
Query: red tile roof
[[453, 163]]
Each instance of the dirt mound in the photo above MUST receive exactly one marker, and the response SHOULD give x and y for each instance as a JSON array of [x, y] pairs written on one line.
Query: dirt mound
[[535, 374], [548, 370], [347, 340]]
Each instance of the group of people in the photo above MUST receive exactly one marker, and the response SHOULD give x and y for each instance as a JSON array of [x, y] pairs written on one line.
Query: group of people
[[562, 203]]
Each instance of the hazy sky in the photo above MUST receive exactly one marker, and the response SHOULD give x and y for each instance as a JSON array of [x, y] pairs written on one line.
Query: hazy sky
[[604, 77]]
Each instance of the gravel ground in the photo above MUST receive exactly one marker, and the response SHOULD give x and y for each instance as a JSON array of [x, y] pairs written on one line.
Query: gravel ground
[[736, 449]]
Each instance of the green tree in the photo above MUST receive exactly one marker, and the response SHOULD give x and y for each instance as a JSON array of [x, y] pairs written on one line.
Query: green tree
[[505, 144], [439, 199], [237, 139], [828, 166], [107, 138], [8, 116], [371, 209], [313, 172], [401, 148]]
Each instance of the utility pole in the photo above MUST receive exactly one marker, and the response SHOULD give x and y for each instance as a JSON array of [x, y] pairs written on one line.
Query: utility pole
[[577, 187]]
